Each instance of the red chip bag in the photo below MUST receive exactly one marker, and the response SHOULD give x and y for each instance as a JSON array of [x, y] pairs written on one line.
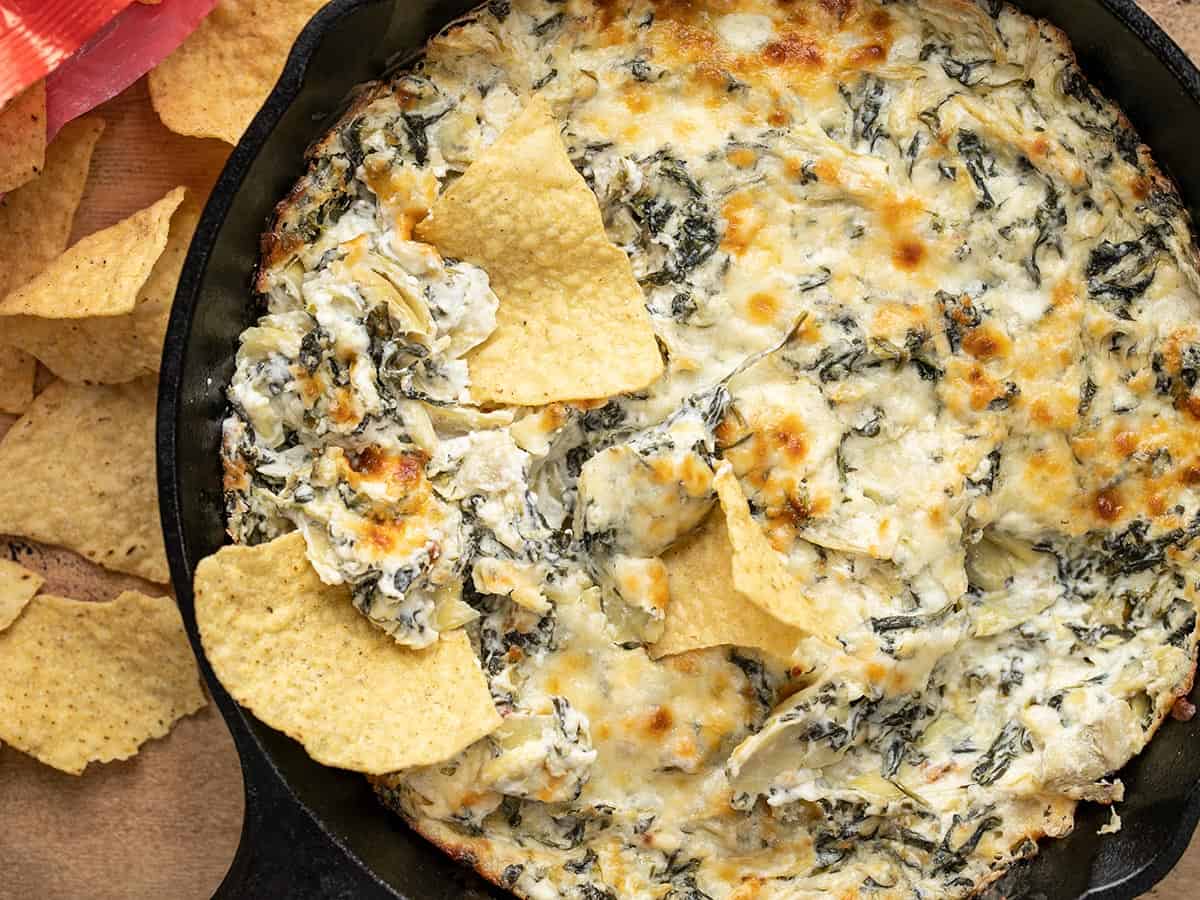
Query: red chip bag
[[37, 35], [119, 54]]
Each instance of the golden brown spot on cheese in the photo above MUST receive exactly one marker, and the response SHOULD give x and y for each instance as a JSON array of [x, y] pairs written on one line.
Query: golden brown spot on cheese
[[695, 476], [1155, 503], [744, 222], [550, 791], [1108, 504], [880, 20], [684, 663], [1063, 292], [866, 55], [585, 405], [310, 388], [1041, 413], [908, 254], [607, 13], [778, 117], [235, 477], [380, 536], [897, 214], [405, 98], [343, 411], [789, 437], [986, 342], [750, 889], [798, 510], [827, 170], [400, 470], [1126, 443], [1192, 405], [983, 388], [794, 51], [635, 97], [659, 721], [742, 157], [1141, 187], [762, 307], [1190, 474]]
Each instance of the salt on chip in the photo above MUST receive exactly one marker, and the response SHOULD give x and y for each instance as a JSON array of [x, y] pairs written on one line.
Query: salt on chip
[[705, 609], [296, 652], [88, 682], [78, 471], [35, 225], [22, 137], [35, 219], [572, 322], [17, 372], [215, 82], [100, 275], [99, 312], [17, 587], [759, 571]]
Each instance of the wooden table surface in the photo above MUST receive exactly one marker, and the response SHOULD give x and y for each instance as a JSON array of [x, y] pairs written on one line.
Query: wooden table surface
[[165, 823]]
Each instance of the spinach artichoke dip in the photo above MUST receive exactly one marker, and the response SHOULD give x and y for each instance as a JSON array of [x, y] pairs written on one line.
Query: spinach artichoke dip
[[794, 403]]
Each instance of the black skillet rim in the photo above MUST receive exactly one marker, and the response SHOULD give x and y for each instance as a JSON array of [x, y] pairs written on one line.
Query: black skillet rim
[[257, 762]]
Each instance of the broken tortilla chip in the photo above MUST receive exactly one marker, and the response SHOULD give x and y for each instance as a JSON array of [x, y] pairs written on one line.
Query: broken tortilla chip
[[215, 82], [760, 573], [705, 610], [35, 219], [572, 322], [17, 372], [298, 654], [17, 587], [88, 682], [23, 137], [99, 312], [79, 472]]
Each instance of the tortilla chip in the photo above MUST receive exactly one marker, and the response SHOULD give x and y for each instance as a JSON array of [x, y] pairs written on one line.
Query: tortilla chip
[[297, 654], [23, 137], [572, 322], [79, 472], [214, 84], [17, 371], [705, 609], [100, 275], [17, 587], [759, 572], [91, 682], [100, 322], [35, 219]]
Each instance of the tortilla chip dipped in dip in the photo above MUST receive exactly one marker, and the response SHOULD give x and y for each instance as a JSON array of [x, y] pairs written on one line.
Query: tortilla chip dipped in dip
[[295, 651]]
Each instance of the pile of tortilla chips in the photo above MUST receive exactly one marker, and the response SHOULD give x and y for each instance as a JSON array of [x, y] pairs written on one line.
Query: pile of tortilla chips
[[81, 333], [84, 681]]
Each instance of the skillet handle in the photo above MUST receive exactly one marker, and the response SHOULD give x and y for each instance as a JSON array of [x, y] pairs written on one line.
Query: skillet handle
[[283, 852]]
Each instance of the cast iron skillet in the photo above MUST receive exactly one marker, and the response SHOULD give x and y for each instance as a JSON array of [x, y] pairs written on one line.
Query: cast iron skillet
[[312, 831]]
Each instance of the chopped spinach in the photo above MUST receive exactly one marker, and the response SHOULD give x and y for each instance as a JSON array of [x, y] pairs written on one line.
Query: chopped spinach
[[1050, 219], [980, 163], [1120, 273], [1011, 742]]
